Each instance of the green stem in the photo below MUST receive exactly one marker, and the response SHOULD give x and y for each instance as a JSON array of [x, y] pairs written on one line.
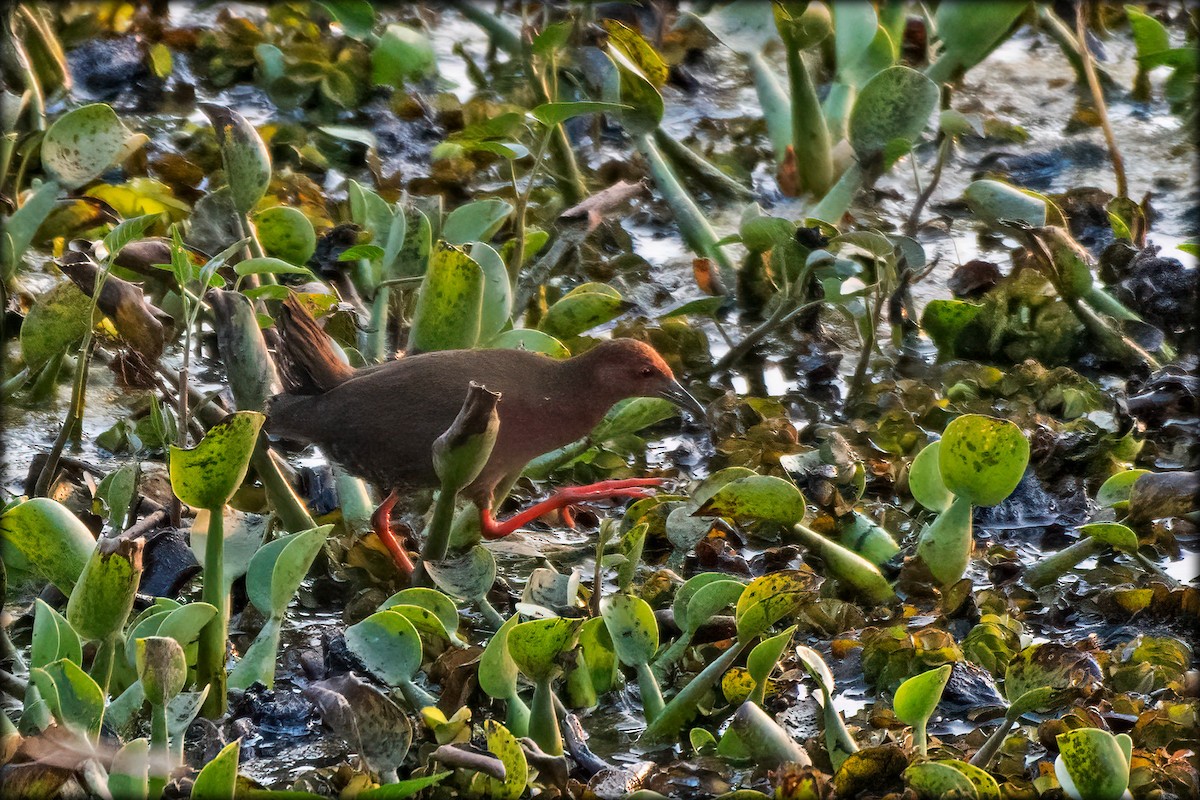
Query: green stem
[[102, 665], [377, 335], [692, 223], [919, 738], [810, 137], [682, 706], [850, 569], [543, 721], [776, 107], [838, 741], [652, 699], [285, 503], [210, 660], [437, 541], [74, 417], [983, 757], [417, 697], [160, 753], [518, 716], [672, 654], [490, 613], [704, 171], [837, 200], [1048, 570], [518, 255]]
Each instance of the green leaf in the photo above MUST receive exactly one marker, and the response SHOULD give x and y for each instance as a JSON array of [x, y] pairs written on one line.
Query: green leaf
[[468, 577], [1092, 764], [918, 696], [103, 597], [532, 340], [742, 27], [497, 292], [276, 570], [129, 773], [938, 779], [356, 17], [286, 233], [982, 458], [1149, 35], [582, 309], [632, 626], [268, 266], [20, 228], [53, 637], [502, 744], [438, 605], [895, 104], [1119, 488], [759, 497], [403, 789], [50, 537], [993, 201], [162, 668], [75, 699], [550, 114], [450, 303], [706, 600], [632, 415], [925, 480], [86, 141], [772, 597], [402, 54], [945, 320], [207, 475], [218, 779], [57, 322], [536, 645], [968, 31], [497, 670], [388, 645], [1113, 534], [476, 221], [244, 154]]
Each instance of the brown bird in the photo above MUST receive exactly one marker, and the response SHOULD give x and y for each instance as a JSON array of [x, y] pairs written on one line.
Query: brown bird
[[380, 422]]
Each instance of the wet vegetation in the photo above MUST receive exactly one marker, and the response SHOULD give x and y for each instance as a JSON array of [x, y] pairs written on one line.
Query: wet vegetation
[[927, 266]]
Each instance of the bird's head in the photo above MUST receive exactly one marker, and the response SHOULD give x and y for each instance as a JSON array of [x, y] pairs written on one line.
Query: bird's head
[[629, 368]]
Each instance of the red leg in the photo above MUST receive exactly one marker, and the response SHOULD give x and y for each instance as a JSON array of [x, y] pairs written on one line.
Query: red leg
[[381, 523], [634, 487]]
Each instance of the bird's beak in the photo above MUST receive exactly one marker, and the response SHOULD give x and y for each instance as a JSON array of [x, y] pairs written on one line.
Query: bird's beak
[[683, 398]]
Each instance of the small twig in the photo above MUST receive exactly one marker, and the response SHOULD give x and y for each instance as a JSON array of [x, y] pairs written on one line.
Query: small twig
[[1089, 69]]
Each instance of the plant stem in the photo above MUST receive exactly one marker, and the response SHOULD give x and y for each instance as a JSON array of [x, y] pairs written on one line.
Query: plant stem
[[1048, 570], [983, 756], [102, 665], [652, 699], [437, 540], [160, 753], [868, 347], [518, 255], [705, 171], [910, 226], [1089, 69], [810, 137], [490, 613], [779, 317], [776, 106], [543, 721], [682, 706], [73, 420], [851, 569], [210, 660], [518, 715], [919, 738]]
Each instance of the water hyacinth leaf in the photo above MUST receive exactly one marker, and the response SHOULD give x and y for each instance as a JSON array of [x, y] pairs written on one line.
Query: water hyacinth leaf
[[1119, 488], [994, 201], [1113, 534], [101, 601], [57, 322], [763, 497], [630, 546], [968, 31], [22, 226], [596, 644], [534, 341], [374, 725], [708, 600], [497, 291], [945, 321], [645, 104], [116, 492], [762, 661], [982, 458], [218, 778], [984, 784], [581, 310], [402, 54], [894, 105], [86, 141], [356, 17], [53, 637], [925, 480], [854, 29], [253, 376], [276, 570], [497, 670], [450, 303], [244, 154], [550, 114], [635, 47], [476, 221], [766, 739], [632, 626], [286, 233], [632, 415], [945, 544], [918, 696], [184, 624], [388, 645], [441, 607], [52, 539], [268, 266], [742, 27], [1093, 764], [536, 645], [244, 534], [129, 773], [161, 667], [502, 744], [1050, 665], [466, 577], [768, 599], [936, 779], [75, 699], [207, 475]]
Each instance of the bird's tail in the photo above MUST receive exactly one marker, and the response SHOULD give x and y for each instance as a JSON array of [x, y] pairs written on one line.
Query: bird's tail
[[307, 361]]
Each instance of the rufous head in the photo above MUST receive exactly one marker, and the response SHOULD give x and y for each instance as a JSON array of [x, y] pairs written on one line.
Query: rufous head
[[629, 368]]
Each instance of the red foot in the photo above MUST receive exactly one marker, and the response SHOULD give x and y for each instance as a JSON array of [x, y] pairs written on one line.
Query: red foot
[[633, 487], [381, 524]]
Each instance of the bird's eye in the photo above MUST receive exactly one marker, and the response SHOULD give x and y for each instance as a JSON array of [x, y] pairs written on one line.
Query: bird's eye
[[647, 372]]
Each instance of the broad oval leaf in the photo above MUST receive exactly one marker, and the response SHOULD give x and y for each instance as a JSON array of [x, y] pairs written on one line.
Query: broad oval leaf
[[553, 113], [450, 303], [580, 311], [76, 700], [207, 475], [529, 339], [268, 266], [286, 233], [276, 570], [925, 480], [1092, 764], [1119, 488], [536, 645], [402, 54], [50, 538], [982, 458], [161, 667], [476, 221], [218, 779], [632, 626], [506, 747], [467, 577], [84, 142], [244, 154], [758, 497], [894, 105], [1115, 535], [57, 322], [935, 779], [497, 670], [918, 696], [388, 645], [103, 597], [945, 544], [994, 201]]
